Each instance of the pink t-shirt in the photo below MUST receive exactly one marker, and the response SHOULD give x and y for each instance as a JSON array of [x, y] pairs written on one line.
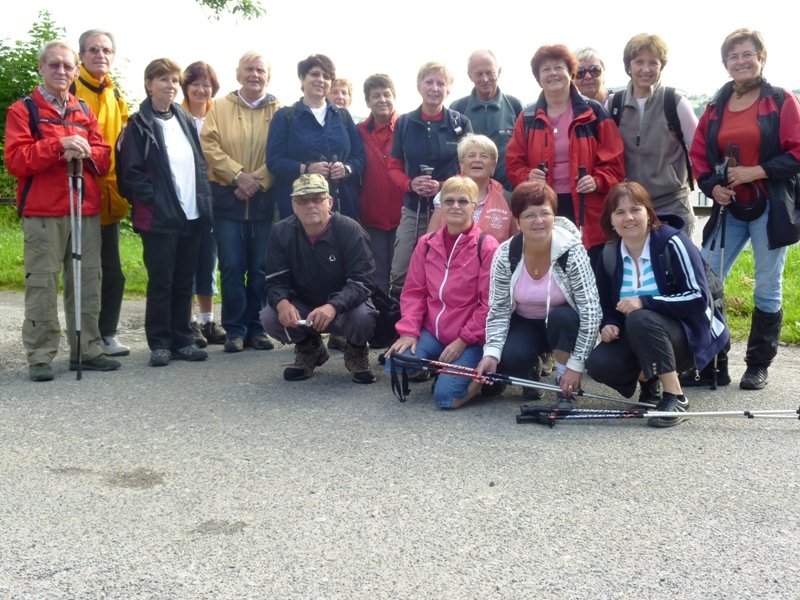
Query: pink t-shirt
[[530, 295], [561, 180]]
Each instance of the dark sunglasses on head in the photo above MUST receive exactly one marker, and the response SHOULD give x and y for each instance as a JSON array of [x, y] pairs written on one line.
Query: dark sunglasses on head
[[594, 71]]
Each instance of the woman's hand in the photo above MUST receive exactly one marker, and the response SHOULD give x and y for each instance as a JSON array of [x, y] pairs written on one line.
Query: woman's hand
[[488, 364], [320, 168], [570, 382], [741, 175], [586, 185], [425, 185], [627, 305], [337, 170], [722, 195], [537, 175], [609, 333], [405, 342], [453, 351]]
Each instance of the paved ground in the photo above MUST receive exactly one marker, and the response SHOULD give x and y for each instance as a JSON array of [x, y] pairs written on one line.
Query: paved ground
[[220, 480]]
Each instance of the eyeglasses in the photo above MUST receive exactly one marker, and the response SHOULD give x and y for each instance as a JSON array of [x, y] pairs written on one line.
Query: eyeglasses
[[537, 216], [307, 200], [100, 50], [734, 58], [594, 70], [462, 202], [57, 66]]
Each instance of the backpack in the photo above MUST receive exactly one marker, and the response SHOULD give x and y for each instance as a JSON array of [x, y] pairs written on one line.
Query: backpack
[[671, 99], [515, 254], [33, 122], [715, 285]]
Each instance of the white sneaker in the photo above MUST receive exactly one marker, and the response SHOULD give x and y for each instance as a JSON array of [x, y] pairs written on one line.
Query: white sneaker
[[112, 347]]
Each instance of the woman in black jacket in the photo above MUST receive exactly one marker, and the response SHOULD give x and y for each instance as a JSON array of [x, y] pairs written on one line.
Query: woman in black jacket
[[162, 172]]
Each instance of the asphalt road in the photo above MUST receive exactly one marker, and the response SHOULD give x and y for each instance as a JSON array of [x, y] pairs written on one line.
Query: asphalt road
[[220, 480]]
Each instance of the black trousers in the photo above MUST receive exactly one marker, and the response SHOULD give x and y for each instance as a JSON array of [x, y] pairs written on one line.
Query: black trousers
[[650, 343], [528, 338], [113, 285], [170, 259]]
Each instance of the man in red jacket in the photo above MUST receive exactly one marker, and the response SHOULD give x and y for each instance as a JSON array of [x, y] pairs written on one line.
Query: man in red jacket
[[43, 132]]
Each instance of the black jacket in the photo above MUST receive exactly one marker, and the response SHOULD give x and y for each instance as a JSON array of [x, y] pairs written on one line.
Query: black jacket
[[145, 177], [338, 269]]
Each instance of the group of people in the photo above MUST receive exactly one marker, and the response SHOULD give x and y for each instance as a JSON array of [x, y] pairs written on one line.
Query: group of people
[[507, 232]]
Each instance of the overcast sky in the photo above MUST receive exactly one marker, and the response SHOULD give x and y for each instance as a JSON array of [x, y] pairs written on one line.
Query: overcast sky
[[403, 35]]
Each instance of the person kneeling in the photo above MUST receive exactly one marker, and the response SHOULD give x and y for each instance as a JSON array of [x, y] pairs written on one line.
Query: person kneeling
[[444, 302], [659, 317], [320, 274]]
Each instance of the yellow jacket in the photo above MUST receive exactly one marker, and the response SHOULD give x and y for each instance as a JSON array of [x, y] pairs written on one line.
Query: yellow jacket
[[234, 139], [112, 114]]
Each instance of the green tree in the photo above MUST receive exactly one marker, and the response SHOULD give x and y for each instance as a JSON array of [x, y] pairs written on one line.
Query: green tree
[[247, 9], [19, 75]]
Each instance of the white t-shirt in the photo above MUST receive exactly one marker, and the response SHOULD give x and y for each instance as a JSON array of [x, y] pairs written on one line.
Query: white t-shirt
[[181, 164]]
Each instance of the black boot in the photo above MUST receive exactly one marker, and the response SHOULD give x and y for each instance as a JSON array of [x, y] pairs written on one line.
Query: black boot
[[762, 346], [650, 392]]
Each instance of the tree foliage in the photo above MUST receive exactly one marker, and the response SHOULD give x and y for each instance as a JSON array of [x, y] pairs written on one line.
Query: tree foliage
[[247, 9]]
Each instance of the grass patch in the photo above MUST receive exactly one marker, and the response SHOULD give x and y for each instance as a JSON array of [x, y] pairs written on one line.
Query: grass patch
[[738, 287]]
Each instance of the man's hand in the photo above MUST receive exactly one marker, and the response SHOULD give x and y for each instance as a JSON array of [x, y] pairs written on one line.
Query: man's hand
[[75, 147], [288, 315], [321, 317], [247, 185]]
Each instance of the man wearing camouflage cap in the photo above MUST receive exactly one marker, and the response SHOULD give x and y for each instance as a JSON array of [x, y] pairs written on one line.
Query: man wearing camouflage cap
[[320, 273]]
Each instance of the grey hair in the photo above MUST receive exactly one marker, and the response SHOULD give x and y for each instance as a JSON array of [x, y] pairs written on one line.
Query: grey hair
[[57, 44], [92, 32], [588, 53]]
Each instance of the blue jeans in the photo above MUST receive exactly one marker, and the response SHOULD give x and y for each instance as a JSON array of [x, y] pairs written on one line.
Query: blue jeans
[[767, 292], [242, 249], [448, 387]]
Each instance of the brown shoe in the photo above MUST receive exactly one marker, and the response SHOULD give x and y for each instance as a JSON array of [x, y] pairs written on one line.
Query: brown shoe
[[214, 333], [356, 359], [259, 342], [308, 354], [233, 345], [337, 342], [198, 338]]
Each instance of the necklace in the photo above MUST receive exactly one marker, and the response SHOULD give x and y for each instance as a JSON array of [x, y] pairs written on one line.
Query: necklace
[[556, 122]]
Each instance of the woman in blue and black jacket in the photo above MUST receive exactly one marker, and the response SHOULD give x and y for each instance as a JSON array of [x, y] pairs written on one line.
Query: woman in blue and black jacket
[[315, 136], [659, 317]]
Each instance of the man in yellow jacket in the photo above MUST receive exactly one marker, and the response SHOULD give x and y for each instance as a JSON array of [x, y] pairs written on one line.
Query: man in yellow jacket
[[94, 86]]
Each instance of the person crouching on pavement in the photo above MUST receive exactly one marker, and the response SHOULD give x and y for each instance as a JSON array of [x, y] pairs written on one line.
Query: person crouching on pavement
[[320, 272]]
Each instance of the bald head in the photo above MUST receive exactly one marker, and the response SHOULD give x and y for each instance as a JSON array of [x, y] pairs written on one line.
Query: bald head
[[483, 72]]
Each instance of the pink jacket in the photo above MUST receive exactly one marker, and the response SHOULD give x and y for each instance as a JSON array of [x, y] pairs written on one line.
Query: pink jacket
[[448, 296]]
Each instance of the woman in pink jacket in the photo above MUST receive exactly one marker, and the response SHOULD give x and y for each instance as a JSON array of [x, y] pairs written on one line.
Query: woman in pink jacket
[[445, 297]]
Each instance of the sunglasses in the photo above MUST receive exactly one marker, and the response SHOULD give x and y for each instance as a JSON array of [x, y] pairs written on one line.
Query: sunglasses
[[462, 202], [595, 71]]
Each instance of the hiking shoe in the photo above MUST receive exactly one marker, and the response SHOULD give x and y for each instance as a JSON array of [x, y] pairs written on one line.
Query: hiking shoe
[[547, 364], [531, 393], [565, 403], [356, 359], [669, 403], [215, 334], [233, 345], [198, 338], [98, 363], [160, 358], [308, 354], [41, 372], [259, 342], [191, 353], [754, 378], [650, 392], [112, 347], [337, 342]]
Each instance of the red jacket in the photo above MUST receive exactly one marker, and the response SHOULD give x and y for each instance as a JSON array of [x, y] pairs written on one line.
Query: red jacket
[[380, 201], [448, 296], [594, 143], [39, 165], [496, 218]]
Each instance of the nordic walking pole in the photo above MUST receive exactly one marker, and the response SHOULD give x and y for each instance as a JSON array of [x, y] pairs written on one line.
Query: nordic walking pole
[[719, 231], [75, 177], [581, 201]]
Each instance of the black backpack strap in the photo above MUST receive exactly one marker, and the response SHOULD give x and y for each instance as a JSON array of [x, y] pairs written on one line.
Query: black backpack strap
[[515, 251], [617, 100], [671, 99], [480, 247]]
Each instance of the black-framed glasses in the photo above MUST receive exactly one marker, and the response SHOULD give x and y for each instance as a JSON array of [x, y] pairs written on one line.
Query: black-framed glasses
[[594, 70]]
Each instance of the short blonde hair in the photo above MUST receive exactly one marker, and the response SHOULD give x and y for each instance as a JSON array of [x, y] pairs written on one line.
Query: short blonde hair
[[481, 142], [434, 66], [57, 44], [459, 184], [744, 35], [644, 42], [251, 55]]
